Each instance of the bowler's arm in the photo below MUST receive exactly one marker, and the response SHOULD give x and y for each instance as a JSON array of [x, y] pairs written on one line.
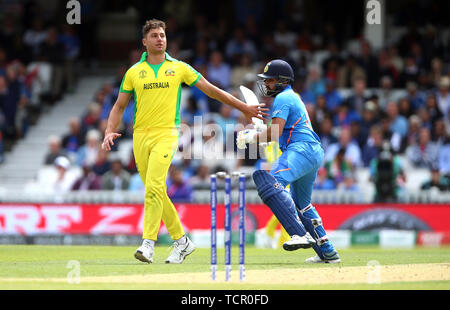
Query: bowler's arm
[[114, 119], [216, 93]]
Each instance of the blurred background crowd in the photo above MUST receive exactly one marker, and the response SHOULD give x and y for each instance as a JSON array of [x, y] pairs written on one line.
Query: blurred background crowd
[[383, 110]]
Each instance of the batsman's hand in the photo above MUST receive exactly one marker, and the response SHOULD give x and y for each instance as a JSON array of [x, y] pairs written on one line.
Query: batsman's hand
[[109, 140], [247, 136]]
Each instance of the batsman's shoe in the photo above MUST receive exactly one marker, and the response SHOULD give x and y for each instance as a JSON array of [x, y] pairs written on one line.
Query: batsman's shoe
[[298, 242], [329, 258], [180, 251], [144, 254]]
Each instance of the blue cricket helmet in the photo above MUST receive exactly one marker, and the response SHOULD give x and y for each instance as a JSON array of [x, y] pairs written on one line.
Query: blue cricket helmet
[[279, 70]]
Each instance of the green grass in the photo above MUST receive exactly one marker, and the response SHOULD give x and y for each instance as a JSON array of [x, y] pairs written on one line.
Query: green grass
[[51, 262]]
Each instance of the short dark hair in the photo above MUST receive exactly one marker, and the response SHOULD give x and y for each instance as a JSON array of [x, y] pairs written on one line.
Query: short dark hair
[[153, 24]]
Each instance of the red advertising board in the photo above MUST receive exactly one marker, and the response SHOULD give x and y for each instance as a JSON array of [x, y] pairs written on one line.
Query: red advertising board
[[29, 219]]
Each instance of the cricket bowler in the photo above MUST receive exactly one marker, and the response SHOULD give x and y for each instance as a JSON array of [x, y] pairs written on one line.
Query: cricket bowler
[[301, 158], [155, 82]]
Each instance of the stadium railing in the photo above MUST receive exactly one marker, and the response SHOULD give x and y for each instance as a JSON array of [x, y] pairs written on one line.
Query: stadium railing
[[202, 196]]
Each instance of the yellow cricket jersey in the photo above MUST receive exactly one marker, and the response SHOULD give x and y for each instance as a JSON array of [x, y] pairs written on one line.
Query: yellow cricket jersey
[[157, 91]]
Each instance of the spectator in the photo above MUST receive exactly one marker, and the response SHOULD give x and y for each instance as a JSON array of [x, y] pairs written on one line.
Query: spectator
[[414, 128], [369, 119], [39, 78], [321, 108], [219, 72], [358, 97], [322, 181], [349, 73], [394, 138], [345, 116], [410, 71], [14, 99], [102, 164], [437, 68], [425, 153], [52, 51], [62, 183], [55, 150], [372, 148], [332, 96], [34, 37], [201, 178], [225, 120], [117, 179], [72, 141], [433, 109], [136, 184], [425, 118], [369, 64], [177, 188], [88, 153], [88, 181], [387, 173], [238, 46], [315, 84], [325, 133], [243, 69], [386, 93], [352, 150], [416, 97], [201, 53], [443, 97], [404, 108], [72, 48], [398, 123], [386, 68], [357, 134], [91, 120], [439, 134], [283, 36], [339, 168], [436, 181]]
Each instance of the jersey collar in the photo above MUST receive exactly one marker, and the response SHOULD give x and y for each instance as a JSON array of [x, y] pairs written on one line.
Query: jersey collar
[[287, 88], [144, 57]]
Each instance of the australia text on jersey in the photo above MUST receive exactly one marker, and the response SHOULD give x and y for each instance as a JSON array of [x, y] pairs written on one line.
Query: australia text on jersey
[[156, 85]]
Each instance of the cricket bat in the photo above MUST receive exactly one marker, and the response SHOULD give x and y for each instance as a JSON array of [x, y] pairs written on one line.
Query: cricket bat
[[251, 99]]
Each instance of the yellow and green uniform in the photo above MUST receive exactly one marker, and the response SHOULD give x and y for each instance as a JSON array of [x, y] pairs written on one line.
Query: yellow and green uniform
[[157, 92], [273, 152]]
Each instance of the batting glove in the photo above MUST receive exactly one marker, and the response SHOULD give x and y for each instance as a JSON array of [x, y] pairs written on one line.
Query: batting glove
[[247, 136]]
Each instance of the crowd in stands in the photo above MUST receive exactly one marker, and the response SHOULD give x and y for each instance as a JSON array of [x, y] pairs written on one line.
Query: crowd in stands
[[358, 98], [37, 66]]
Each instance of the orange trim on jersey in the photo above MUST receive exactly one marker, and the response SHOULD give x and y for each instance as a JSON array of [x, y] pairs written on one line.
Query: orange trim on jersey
[[292, 129], [283, 170]]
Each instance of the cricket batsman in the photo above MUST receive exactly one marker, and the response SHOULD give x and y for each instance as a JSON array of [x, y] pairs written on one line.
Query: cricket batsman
[[301, 158], [155, 82]]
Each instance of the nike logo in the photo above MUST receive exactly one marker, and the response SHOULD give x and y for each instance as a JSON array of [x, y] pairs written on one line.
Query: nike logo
[[165, 156]]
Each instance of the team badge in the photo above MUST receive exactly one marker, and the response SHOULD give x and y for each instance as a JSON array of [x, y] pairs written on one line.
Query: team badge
[[266, 67], [143, 74], [169, 72]]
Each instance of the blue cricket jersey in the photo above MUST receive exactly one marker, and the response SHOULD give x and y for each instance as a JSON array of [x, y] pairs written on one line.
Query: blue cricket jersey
[[289, 106]]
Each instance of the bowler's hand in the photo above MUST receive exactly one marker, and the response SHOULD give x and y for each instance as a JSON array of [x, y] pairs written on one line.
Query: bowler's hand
[[255, 111], [109, 140]]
